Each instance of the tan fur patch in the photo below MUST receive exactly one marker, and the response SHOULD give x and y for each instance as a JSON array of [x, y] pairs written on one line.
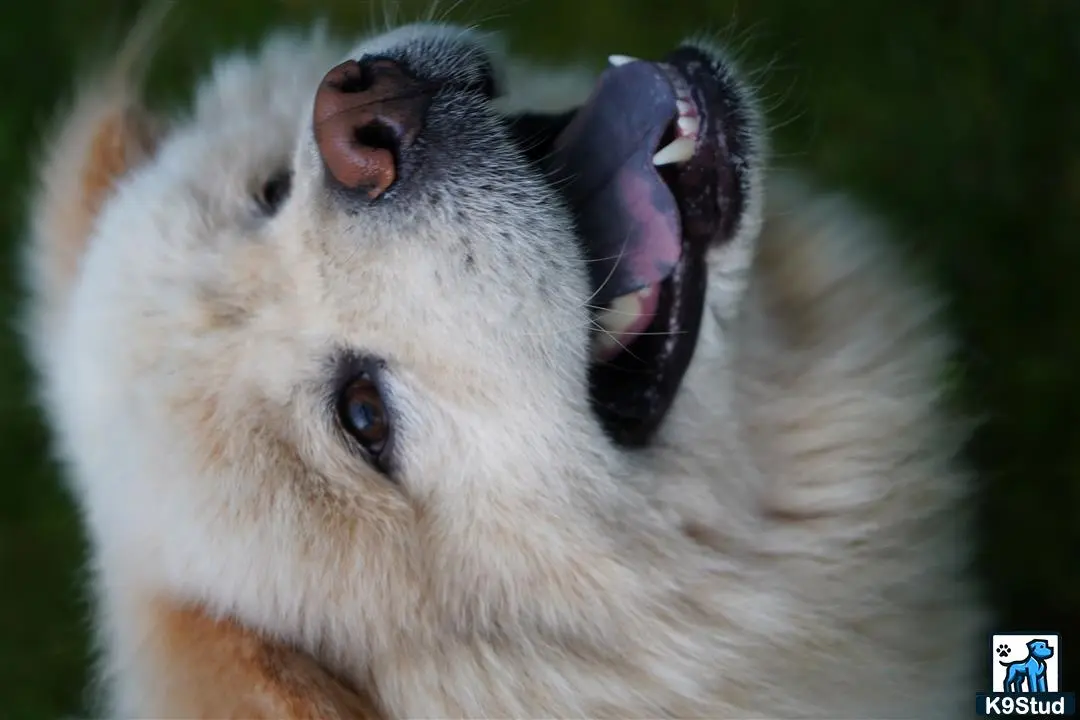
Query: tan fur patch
[[218, 669], [121, 140]]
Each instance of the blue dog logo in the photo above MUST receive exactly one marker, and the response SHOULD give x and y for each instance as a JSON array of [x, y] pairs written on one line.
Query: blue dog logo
[[1030, 670]]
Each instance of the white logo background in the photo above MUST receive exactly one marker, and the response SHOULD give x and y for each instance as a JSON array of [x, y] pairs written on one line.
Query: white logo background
[[1017, 647]]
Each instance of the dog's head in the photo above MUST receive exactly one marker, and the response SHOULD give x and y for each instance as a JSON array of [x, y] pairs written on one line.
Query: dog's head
[[1040, 649], [340, 331]]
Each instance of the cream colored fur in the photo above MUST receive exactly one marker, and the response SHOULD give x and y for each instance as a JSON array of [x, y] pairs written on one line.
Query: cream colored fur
[[793, 544]]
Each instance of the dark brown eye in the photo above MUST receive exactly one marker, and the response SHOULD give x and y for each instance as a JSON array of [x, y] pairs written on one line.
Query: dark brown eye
[[274, 192], [364, 415]]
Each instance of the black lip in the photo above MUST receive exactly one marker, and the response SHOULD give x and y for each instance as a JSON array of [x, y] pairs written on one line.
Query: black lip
[[632, 392]]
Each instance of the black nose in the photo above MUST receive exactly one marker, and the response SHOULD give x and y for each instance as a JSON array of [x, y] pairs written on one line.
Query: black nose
[[367, 115]]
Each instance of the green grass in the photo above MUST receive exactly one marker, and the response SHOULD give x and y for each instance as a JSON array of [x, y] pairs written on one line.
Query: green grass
[[953, 117]]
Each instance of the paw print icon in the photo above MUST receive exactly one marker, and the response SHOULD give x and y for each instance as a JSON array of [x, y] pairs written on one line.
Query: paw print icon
[[1002, 650]]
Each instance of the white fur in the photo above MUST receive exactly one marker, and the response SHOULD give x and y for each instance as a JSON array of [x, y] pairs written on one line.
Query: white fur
[[793, 544]]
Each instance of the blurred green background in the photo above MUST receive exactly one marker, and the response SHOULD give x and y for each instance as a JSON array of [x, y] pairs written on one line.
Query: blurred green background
[[952, 117]]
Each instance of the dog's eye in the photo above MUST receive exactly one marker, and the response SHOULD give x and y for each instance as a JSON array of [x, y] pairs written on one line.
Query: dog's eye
[[364, 416], [274, 192]]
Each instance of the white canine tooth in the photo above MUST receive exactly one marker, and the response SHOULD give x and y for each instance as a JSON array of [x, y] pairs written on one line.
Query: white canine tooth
[[679, 150], [688, 125], [617, 60], [621, 314], [608, 322], [684, 107]]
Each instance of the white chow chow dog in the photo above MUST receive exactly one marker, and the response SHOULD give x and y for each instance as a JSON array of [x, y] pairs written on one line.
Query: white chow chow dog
[[400, 379]]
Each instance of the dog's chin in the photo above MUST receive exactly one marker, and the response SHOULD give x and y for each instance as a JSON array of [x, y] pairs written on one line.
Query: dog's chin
[[655, 168]]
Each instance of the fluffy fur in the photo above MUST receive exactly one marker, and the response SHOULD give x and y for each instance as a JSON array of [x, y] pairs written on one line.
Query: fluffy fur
[[792, 544]]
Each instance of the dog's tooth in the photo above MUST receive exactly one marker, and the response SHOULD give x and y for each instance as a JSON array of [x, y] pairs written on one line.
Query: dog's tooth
[[604, 346], [617, 60], [620, 314], [689, 126], [684, 107], [679, 150]]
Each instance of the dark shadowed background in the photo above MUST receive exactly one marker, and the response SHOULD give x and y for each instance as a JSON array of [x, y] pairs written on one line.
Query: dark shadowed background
[[955, 118]]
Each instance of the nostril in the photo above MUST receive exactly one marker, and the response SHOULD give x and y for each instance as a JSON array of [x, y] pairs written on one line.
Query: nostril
[[355, 78], [377, 135], [366, 117]]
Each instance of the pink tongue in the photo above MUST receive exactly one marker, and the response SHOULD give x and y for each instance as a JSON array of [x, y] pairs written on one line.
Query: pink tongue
[[625, 212]]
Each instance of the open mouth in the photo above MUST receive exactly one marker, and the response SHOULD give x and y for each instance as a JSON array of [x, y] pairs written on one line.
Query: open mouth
[[655, 167]]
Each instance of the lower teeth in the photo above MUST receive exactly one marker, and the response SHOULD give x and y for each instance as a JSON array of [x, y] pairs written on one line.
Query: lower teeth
[[622, 322]]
